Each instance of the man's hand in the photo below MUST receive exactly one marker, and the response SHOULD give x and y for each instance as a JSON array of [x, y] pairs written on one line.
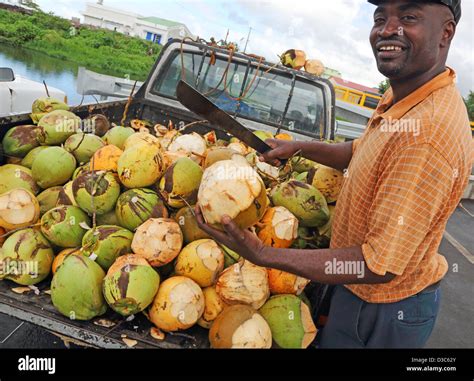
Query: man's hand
[[282, 150], [241, 241]]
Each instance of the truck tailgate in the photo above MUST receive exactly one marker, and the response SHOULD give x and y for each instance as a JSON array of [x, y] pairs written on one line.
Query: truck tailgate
[[38, 310]]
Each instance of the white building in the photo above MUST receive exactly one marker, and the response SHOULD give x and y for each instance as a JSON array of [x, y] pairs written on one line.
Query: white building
[[149, 28]]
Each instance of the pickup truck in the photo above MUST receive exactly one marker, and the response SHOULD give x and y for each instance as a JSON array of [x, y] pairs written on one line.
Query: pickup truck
[[274, 99]]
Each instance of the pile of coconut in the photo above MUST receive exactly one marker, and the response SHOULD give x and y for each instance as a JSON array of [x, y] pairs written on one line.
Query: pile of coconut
[[107, 218]]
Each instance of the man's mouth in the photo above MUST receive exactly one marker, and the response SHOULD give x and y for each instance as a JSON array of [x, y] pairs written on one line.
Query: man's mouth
[[389, 50]]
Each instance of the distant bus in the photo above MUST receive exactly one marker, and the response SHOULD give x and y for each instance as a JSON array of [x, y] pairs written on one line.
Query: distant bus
[[359, 98]]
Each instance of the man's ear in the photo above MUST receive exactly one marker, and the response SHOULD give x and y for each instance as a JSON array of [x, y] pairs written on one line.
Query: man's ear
[[449, 30]]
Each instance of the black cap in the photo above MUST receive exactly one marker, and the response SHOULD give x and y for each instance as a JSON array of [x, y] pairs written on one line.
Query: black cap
[[454, 5]]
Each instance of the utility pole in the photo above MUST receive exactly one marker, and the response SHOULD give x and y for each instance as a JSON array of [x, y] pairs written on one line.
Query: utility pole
[[248, 38]]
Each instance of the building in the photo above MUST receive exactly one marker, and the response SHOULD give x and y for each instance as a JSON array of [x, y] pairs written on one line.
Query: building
[[328, 73], [153, 29]]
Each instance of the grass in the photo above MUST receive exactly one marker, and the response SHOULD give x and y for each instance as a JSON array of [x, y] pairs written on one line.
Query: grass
[[101, 50]]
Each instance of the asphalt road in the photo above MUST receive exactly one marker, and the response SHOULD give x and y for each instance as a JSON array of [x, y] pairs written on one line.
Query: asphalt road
[[454, 328]]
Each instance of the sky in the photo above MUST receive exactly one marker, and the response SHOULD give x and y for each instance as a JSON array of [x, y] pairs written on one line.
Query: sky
[[336, 31]]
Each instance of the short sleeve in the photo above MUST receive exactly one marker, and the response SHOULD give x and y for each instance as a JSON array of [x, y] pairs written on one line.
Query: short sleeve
[[412, 191], [355, 143]]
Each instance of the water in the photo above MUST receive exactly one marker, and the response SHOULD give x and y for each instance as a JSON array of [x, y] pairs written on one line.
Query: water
[[38, 67]]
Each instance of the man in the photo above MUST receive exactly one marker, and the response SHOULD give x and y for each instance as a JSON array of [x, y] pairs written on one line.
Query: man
[[405, 177]]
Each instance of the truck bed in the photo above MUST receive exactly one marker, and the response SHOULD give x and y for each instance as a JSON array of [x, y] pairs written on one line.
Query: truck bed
[[39, 310]]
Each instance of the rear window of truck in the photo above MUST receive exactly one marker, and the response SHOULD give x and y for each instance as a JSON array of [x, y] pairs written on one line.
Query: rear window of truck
[[264, 97]]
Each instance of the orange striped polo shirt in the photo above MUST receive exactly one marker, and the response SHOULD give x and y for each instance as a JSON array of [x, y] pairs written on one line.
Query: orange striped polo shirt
[[405, 179]]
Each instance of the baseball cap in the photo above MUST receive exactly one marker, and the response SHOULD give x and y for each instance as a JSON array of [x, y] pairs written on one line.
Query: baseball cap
[[453, 5]]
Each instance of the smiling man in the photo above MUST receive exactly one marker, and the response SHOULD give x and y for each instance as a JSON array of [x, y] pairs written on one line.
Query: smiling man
[[402, 186]]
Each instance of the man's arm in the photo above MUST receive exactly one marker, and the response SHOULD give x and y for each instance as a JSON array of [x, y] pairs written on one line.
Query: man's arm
[[330, 266], [337, 156]]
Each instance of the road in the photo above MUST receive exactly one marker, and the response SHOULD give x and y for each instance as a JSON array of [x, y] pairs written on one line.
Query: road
[[454, 328]]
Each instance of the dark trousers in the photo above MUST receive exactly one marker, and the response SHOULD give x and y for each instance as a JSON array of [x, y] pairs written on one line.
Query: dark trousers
[[354, 323]]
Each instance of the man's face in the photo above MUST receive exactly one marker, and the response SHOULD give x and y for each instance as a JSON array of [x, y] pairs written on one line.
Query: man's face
[[406, 37]]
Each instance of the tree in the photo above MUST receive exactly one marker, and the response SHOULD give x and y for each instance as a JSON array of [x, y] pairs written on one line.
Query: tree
[[30, 4], [470, 105], [383, 86]]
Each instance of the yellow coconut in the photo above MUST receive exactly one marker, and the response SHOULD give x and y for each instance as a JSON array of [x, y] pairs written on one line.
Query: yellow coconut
[[281, 282], [140, 138], [278, 228], [18, 209], [240, 327], [158, 240], [327, 180], [178, 305], [235, 189], [141, 166], [202, 261], [59, 259], [106, 159], [284, 136], [244, 283], [213, 307]]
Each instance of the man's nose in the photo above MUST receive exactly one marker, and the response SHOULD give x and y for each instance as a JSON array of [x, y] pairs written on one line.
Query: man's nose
[[391, 27]]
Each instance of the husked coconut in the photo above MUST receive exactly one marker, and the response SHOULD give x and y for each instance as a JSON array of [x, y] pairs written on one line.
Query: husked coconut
[[239, 147], [215, 154], [290, 321], [192, 144], [315, 67], [202, 261], [240, 327], [213, 307], [235, 189], [278, 228], [158, 240], [178, 305], [244, 283], [18, 209]]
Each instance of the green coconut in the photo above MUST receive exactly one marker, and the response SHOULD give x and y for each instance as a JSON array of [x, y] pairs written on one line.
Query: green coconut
[[304, 201], [80, 170], [65, 226], [20, 140], [26, 257], [43, 106], [118, 135], [96, 192], [105, 244], [230, 257], [180, 183], [290, 321], [14, 176], [189, 226], [58, 126], [53, 166], [76, 289], [140, 166], [107, 219], [48, 199], [31, 156], [130, 285], [263, 135], [136, 206], [83, 146], [300, 164]]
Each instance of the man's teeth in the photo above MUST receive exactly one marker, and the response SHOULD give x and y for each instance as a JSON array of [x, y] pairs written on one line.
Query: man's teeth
[[391, 48]]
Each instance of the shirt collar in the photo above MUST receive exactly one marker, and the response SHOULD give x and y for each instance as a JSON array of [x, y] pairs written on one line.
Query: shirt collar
[[386, 109]]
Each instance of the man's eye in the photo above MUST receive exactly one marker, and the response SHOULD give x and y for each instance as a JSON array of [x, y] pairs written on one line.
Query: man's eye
[[378, 20], [408, 18]]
